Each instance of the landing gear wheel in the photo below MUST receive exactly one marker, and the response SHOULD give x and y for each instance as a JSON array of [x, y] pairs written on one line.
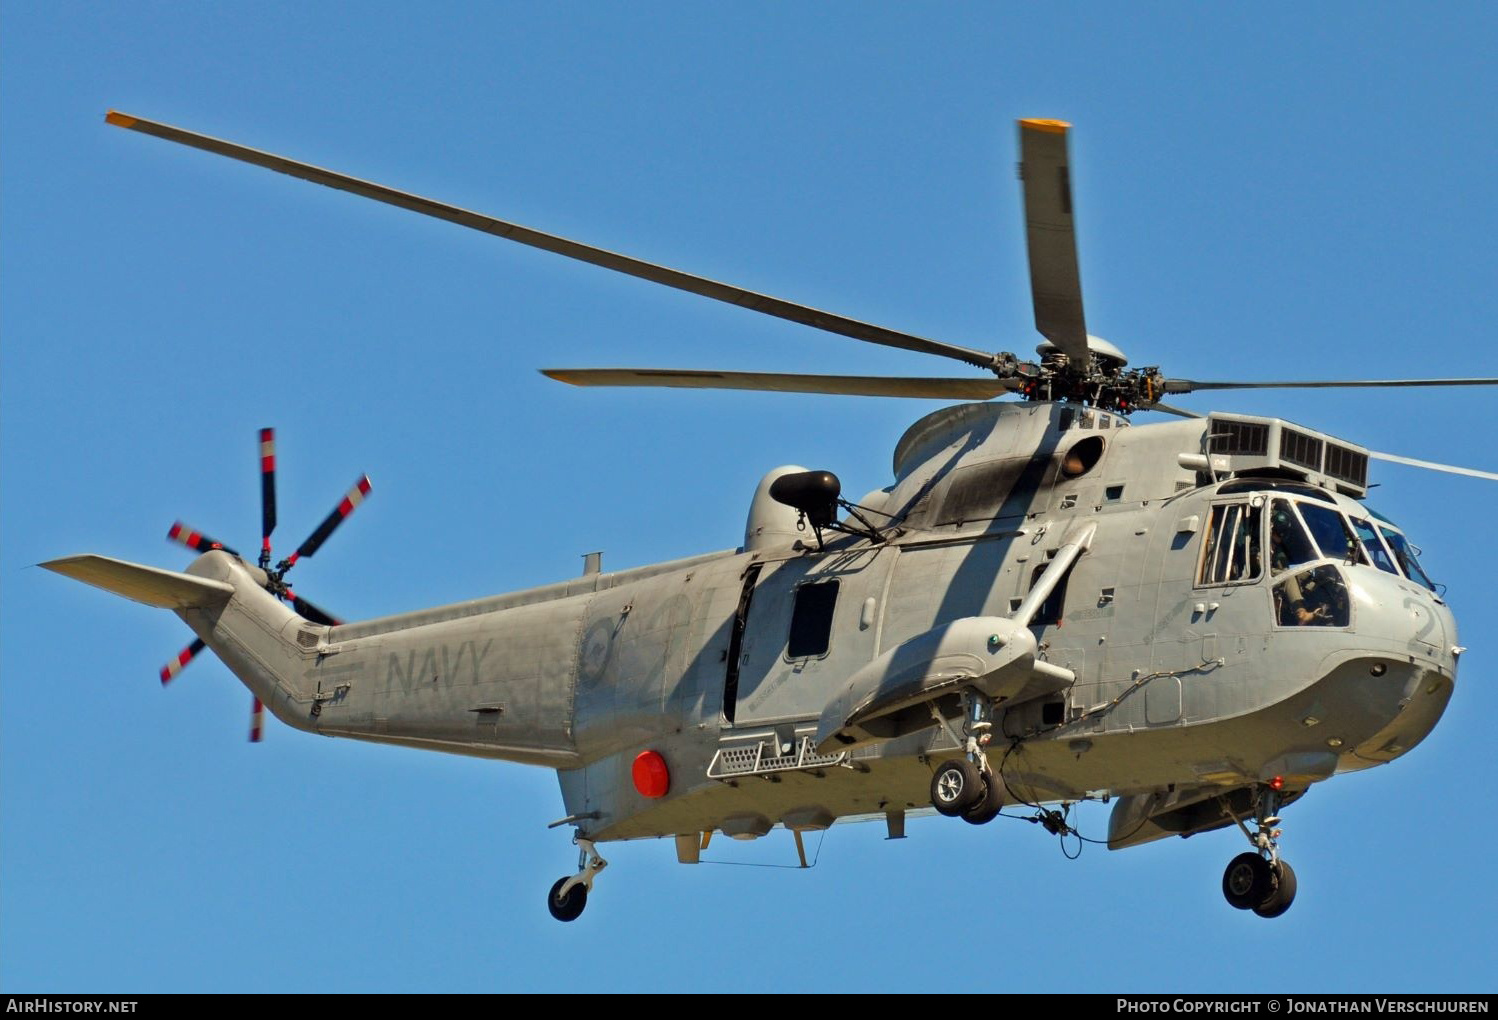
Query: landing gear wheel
[[1284, 892], [1248, 881], [568, 907], [992, 802], [956, 786]]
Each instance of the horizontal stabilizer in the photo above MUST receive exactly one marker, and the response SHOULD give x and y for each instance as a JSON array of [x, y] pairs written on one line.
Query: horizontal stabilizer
[[165, 589]]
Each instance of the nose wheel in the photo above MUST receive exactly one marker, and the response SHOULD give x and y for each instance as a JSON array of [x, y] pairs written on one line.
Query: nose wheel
[[1259, 880], [569, 895]]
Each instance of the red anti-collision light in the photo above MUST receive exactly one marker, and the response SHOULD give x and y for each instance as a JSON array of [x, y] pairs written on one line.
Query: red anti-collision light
[[651, 776], [1277, 783]]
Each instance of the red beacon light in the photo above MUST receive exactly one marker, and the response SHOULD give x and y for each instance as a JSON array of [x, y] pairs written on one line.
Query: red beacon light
[[1276, 784], [652, 778]]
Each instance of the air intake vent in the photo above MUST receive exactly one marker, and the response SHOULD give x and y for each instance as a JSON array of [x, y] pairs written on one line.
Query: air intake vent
[[1347, 465], [1240, 437], [1299, 448], [1244, 447]]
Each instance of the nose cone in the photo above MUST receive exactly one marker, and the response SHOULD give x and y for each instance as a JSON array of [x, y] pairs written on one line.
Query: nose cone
[[1412, 672], [1400, 617]]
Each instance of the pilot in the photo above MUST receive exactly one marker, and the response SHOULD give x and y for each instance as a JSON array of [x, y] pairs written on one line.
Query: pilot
[[1279, 556], [1290, 601], [1288, 545], [1328, 594]]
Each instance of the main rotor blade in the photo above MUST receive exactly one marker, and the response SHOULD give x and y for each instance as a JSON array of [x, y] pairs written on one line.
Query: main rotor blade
[[560, 245], [314, 542], [779, 382], [1430, 465], [267, 487], [1055, 281], [1192, 385], [311, 611], [1179, 412]]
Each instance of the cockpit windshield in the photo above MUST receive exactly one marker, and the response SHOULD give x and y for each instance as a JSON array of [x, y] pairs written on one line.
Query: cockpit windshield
[[1330, 530]]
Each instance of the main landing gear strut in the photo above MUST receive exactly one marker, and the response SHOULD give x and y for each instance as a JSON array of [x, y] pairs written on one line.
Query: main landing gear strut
[[969, 787], [569, 895], [1258, 879]]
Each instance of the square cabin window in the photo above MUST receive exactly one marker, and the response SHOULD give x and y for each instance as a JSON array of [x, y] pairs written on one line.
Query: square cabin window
[[811, 620]]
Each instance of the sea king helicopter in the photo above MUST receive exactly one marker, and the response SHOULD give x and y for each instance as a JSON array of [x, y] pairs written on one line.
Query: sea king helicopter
[[1238, 625]]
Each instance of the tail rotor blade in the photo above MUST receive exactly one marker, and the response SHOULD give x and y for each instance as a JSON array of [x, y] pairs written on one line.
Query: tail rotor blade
[[197, 541], [314, 542], [179, 662], [267, 489], [257, 721]]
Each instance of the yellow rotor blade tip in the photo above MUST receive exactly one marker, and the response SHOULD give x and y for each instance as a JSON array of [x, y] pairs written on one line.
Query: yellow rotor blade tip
[[1057, 127], [119, 119]]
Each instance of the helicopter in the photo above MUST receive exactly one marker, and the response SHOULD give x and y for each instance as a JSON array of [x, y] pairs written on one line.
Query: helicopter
[[1196, 620]]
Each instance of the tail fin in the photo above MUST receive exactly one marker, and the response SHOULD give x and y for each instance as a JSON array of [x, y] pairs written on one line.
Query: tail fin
[[164, 589], [231, 613]]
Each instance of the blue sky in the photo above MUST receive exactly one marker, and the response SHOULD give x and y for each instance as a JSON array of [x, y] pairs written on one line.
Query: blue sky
[[1296, 192]]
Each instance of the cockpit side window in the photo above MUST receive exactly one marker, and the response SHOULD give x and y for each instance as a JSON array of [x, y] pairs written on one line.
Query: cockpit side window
[[1289, 546], [1371, 544], [1405, 554], [1316, 597], [1232, 553]]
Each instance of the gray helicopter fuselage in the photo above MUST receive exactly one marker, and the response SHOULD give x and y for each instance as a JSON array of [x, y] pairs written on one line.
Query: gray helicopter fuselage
[[1191, 673]]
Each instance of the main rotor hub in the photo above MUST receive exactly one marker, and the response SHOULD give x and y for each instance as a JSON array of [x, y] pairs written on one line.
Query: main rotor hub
[[1104, 352]]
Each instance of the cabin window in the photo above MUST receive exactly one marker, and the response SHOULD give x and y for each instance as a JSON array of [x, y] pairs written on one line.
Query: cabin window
[[811, 620], [1231, 554]]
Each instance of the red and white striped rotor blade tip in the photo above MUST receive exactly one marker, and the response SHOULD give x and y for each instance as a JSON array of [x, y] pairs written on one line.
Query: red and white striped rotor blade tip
[[197, 541], [179, 662], [267, 486], [351, 499]]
